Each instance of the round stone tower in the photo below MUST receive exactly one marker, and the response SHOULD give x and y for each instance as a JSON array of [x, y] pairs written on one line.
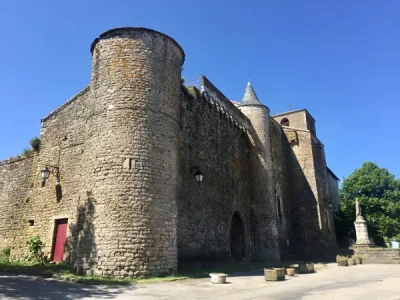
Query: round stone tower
[[131, 156], [262, 197]]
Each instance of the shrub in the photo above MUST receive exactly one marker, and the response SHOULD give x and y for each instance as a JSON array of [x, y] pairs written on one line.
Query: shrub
[[35, 251], [5, 255], [26, 152], [35, 143]]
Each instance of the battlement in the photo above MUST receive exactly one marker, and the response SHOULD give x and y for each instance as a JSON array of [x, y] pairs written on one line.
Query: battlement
[[219, 100]]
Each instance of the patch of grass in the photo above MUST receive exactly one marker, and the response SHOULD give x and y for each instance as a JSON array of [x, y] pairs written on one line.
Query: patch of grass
[[5, 255], [35, 270], [64, 272]]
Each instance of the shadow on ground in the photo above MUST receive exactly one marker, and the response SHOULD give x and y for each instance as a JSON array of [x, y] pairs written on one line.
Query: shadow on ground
[[28, 287]]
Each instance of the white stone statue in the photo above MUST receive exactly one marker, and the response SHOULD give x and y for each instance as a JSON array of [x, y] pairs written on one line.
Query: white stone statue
[[358, 208], [361, 227]]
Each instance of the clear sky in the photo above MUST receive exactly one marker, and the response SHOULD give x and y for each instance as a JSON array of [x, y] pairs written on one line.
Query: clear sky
[[339, 59]]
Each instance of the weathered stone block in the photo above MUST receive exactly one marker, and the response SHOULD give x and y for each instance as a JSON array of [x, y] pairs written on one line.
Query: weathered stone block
[[275, 274], [218, 278]]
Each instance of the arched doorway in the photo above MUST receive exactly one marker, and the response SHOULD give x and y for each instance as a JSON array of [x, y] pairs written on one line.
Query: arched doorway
[[237, 237]]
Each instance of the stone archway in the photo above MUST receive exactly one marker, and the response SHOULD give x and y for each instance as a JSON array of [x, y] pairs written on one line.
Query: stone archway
[[237, 238]]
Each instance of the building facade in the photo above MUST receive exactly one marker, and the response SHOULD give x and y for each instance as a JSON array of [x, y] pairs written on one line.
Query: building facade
[[125, 156]]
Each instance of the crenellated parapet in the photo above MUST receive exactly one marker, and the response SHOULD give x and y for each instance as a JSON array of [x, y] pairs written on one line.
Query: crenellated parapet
[[218, 100]]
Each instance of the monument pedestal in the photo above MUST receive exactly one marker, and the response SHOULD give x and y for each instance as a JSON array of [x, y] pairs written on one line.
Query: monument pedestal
[[361, 232]]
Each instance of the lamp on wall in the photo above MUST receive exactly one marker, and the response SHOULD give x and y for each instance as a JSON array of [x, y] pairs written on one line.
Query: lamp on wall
[[47, 170], [330, 205], [198, 175]]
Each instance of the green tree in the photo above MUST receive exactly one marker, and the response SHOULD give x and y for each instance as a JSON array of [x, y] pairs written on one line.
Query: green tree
[[378, 192]]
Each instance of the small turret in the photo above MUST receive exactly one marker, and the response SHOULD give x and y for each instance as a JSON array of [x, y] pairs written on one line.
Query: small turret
[[262, 197], [250, 97]]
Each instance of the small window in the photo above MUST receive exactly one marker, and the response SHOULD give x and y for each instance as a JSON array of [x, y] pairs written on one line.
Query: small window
[[31, 222], [285, 122]]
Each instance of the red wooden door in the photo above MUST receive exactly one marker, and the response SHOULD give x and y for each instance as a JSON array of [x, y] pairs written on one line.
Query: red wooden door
[[61, 236]]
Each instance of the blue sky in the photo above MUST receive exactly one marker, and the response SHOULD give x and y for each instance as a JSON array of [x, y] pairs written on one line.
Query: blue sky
[[339, 59]]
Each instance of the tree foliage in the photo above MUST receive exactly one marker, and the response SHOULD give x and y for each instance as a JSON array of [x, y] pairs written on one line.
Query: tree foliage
[[378, 192]]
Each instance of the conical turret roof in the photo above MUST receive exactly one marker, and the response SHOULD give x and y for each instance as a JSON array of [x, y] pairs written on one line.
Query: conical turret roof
[[250, 97]]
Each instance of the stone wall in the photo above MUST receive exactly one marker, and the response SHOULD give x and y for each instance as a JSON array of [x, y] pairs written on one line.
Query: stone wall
[[62, 143], [280, 148], [63, 137], [262, 194], [378, 255], [310, 124], [333, 190], [116, 146], [131, 159], [304, 206], [16, 177], [323, 197], [212, 143], [223, 102], [297, 119], [309, 171]]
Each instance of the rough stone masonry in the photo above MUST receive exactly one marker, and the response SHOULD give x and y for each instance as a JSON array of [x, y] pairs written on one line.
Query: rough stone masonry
[[128, 147]]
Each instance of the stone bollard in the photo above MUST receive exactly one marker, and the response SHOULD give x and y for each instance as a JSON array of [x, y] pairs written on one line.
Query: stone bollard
[[290, 271], [275, 274], [310, 267], [303, 269], [351, 261], [218, 278], [342, 263]]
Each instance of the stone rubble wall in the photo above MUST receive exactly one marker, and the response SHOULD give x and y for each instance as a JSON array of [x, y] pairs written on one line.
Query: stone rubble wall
[[324, 197], [214, 144], [280, 148], [297, 119], [131, 161], [262, 193], [306, 231], [16, 177], [27, 198], [378, 255], [223, 103]]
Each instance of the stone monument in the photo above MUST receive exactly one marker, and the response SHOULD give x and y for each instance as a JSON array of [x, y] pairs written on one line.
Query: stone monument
[[361, 228]]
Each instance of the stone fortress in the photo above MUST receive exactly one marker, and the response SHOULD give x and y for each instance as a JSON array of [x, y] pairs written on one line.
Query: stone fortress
[[125, 157]]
